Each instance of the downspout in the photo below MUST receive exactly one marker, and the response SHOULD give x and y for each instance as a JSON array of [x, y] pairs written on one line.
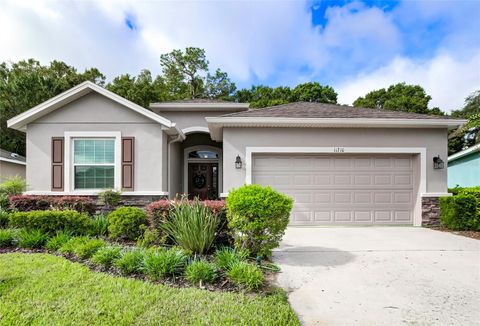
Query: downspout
[[180, 137]]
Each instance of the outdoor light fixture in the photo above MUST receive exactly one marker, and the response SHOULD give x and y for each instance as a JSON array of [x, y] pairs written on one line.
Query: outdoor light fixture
[[238, 162], [438, 163]]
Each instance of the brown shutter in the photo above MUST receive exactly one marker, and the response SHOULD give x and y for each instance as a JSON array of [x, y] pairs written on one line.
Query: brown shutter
[[57, 163], [128, 158]]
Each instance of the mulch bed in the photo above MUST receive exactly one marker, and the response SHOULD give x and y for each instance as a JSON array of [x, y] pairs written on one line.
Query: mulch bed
[[469, 234], [221, 285]]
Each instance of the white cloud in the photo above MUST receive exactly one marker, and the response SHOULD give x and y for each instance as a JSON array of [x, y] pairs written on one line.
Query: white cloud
[[447, 79], [255, 42]]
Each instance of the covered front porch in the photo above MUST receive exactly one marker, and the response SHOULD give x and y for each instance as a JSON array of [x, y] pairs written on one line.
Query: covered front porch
[[195, 166]]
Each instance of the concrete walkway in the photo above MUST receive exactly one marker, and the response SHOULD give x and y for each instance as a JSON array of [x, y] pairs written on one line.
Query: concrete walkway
[[380, 276]]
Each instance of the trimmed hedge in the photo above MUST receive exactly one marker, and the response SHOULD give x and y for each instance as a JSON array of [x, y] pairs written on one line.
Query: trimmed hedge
[[460, 212], [258, 217], [25, 203], [126, 223], [159, 210], [51, 221]]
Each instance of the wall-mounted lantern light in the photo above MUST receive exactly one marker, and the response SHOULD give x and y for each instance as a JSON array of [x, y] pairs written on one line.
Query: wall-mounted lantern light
[[438, 163], [238, 162]]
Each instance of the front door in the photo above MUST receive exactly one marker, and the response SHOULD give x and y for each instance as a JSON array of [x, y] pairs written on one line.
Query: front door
[[203, 180]]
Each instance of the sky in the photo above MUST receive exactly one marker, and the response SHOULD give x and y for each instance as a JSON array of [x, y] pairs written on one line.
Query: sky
[[353, 46]]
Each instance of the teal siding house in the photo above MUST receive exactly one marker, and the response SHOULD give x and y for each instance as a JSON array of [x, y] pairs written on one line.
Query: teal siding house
[[464, 168]]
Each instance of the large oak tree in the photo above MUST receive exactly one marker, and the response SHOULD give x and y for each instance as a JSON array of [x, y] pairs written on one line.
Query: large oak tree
[[26, 84]]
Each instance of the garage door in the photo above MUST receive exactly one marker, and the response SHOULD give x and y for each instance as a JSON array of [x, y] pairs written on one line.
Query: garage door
[[341, 189]]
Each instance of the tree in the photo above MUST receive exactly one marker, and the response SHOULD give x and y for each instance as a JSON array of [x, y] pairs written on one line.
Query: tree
[[471, 106], [398, 97], [26, 84], [219, 86], [468, 134], [186, 75], [141, 90], [314, 92], [263, 96]]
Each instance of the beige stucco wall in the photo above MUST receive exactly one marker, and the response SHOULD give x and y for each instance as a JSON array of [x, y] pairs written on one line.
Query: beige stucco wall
[[235, 141], [8, 169], [176, 169], [94, 112], [188, 119]]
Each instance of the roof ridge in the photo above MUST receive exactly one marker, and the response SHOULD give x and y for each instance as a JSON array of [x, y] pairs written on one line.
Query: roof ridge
[[306, 109]]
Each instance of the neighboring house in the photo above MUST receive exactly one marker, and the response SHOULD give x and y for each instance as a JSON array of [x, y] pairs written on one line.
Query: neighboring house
[[11, 165], [464, 168], [342, 165]]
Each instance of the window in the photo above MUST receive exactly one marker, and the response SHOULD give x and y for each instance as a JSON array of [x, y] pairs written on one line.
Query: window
[[94, 163], [202, 154]]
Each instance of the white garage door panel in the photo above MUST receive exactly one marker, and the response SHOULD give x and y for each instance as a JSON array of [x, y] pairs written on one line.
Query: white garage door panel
[[341, 189]]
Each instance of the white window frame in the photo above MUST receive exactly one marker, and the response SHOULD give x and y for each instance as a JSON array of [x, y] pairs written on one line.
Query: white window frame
[[69, 185]]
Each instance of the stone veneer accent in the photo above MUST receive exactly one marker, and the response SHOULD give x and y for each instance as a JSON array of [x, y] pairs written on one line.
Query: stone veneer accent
[[139, 201], [430, 211]]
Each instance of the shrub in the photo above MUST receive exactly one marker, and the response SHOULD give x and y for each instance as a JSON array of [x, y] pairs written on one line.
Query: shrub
[[70, 245], [99, 225], [192, 226], [246, 275], [77, 203], [130, 261], [110, 198], [13, 186], [61, 238], [200, 271], [32, 239], [25, 203], [126, 223], [158, 213], [4, 216], [459, 212], [106, 255], [84, 250], [51, 221], [7, 238], [4, 202], [161, 263], [258, 217], [150, 238], [226, 257]]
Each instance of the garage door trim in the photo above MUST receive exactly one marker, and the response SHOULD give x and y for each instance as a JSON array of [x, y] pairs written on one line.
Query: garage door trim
[[417, 218]]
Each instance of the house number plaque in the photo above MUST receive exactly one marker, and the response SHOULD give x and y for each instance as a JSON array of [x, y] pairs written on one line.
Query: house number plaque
[[339, 149]]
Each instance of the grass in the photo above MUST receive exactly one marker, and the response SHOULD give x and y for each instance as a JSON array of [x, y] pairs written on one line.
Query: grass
[[44, 289]]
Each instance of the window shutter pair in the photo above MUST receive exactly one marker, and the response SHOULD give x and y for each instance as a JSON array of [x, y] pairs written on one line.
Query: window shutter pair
[[58, 157]]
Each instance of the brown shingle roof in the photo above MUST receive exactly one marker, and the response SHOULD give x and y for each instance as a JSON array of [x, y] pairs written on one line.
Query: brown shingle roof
[[321, 110]]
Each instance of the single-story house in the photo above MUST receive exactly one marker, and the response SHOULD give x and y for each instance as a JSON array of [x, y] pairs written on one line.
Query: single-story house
[[341, 165], [464, 168], [11, 165]]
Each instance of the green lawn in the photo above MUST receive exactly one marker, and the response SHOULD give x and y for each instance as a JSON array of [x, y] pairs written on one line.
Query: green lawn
[[42, 289]]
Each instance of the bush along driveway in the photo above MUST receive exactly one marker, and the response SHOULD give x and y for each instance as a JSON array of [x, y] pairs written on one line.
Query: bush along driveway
[[380, 276]]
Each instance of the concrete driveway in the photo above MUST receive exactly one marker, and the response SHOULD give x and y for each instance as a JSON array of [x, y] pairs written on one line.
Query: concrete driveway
[[380, 276]]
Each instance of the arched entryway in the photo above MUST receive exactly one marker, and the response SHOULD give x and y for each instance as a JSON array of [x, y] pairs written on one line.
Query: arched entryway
[[202, 171]]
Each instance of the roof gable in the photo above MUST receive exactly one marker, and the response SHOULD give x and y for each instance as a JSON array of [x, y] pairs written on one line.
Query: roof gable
[[20, 121]]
